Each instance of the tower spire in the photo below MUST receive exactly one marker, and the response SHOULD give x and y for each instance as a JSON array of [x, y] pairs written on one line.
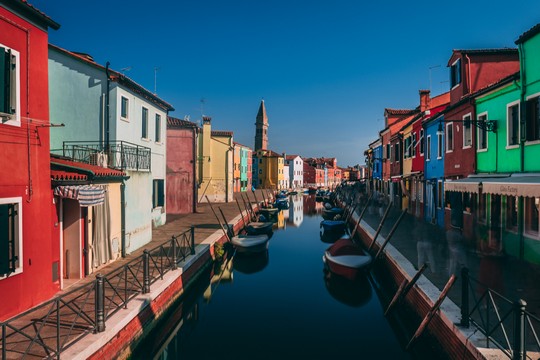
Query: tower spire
[[261, 128]]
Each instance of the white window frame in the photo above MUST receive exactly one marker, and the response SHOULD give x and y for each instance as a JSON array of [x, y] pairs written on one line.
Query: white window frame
[[158, 128], [122, 98], [451, 70], [413, 145], [144, 123], [421, 142], [14, 119], [509, 128], [428, 148], [530, 97], [479, 131], [449, 145], [465, 118], [19, 229], [440, 146]]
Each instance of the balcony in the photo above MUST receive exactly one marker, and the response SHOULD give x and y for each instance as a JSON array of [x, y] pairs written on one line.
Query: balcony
[[120, 155]]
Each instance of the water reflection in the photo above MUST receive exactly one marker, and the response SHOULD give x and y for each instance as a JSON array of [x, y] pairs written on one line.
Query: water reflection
[[353, 293], [250, 263], [295, 213]]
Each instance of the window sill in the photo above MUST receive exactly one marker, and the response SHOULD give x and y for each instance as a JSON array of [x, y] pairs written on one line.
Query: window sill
[[449, 151], [532, 142], [158, 143], [481, 150], [124, 119], [145, 139], [467, 147], [532, 236], [510, 147], [17, 271]]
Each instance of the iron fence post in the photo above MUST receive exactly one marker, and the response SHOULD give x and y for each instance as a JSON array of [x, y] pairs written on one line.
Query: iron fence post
[[146, 272], [100, 303], [58, 329], [192, 240], [465, 297], [173, 253], [519, 352]]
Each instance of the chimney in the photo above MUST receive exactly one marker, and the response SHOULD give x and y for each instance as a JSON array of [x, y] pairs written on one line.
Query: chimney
[[425, 100]]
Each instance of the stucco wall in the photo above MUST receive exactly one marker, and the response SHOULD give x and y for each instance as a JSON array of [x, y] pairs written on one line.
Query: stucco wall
[[138, 207]]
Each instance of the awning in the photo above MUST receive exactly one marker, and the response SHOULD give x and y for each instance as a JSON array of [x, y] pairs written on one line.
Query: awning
[[515, 185], [87, 195], [463, 185]]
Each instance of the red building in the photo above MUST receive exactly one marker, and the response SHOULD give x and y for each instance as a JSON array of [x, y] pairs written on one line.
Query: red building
[[29, 258], [181, 166]]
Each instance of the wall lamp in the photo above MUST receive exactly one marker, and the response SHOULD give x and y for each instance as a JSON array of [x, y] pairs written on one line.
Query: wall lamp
[[487, 125]]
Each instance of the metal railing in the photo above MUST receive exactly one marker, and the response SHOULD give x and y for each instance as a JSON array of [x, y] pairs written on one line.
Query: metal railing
[[52, 327], [121, 155], [505, 323]]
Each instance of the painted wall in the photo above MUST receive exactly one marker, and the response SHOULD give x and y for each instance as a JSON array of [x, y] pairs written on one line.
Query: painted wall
[[180, 176], [530, 61], [461, 162], [433, 173], [32, 283], [377, 162]]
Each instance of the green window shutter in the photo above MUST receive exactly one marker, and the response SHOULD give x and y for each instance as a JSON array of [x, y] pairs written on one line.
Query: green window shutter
[[4, 239], [161, 192], [4, 80]]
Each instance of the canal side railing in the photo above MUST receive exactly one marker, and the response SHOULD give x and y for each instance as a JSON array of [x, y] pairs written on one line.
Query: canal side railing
[[506, 324], [43, 332]]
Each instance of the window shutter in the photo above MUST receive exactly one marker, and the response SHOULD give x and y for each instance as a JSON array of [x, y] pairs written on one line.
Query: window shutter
[[4, 239], [4, 81], [161, 192]]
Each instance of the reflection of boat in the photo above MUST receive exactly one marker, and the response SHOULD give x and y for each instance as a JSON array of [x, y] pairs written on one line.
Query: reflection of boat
[[250, 263], [330, 214], [337, 226], [282, 203], [294, 192], [345, 258], [250, 243], [353, 293], [331, 237], [257, 228]]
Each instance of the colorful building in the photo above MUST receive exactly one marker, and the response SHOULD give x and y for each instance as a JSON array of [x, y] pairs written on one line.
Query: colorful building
[[182, 146], [242, 167], [270, 170], [29, 250], [296, 171]]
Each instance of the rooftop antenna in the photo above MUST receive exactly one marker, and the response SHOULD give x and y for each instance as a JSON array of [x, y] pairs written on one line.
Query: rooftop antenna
[[155, 79], [203, 101], [430, 68], [123, 70]]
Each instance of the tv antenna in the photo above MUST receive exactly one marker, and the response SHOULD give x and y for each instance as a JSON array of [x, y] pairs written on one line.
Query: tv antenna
[[203, 101], [123, 70]]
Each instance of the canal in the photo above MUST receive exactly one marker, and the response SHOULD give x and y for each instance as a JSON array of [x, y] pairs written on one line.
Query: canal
[[280, 304]]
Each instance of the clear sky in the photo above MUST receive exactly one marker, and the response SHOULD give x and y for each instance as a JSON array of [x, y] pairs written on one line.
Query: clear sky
[[326, 69]]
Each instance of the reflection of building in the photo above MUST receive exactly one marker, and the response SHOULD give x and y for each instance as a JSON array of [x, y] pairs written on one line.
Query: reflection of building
[[280, 220], [296, 210]]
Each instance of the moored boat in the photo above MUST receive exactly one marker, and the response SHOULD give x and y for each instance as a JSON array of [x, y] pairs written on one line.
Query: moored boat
[[330, 214], [268, 211], [346, 259], [259, 227], [250, 243], [334, 225]]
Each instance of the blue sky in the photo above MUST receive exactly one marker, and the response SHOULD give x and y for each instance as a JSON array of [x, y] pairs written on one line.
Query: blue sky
[[326, 69]]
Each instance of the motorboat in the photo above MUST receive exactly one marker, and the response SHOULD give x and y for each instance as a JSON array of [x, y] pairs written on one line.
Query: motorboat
[[337, 226], [268, 212], [346, 259], [250, 243], [330, 214], [259, 227], [282, 203]]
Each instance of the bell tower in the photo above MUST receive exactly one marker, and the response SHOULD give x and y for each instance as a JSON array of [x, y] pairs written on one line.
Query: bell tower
[[261, 129]]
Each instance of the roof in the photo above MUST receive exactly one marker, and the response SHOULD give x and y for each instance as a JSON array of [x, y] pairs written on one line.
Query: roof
[[261, 114], [528, 34], [496, 51], [241, 145], [400, 111], [292, 157], [29, 10], [173, 122], [64, 169], [118, 77], [221, 133]]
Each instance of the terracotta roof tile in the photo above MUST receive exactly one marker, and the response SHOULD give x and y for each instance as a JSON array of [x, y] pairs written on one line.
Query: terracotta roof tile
[[67, 169], [221, 133], [400, 111], [173, 122]]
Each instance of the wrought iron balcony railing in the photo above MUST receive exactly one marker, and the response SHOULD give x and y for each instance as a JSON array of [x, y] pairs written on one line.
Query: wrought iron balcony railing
[[120, 155]]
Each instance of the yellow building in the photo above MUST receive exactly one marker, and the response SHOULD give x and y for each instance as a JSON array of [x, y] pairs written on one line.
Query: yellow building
[[270, 168], [215, 160]]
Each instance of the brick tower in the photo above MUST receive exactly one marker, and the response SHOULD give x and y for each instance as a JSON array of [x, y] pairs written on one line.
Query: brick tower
[[261, 129]]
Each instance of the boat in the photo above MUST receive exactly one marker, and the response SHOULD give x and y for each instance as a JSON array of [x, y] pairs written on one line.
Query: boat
[[250, 243], [312, 190], [330, 237], [250, 263], [282, 203], [337, 226], [293, 192], [259, 227], [268, 211], [330, 214], [346, 259]]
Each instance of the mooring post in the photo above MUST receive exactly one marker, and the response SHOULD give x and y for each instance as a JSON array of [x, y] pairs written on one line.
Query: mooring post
[[174, 259], [192, 239], [519, 352], [386, 212], [465, 297], [100, 303], [389, 236], [146, 272], [404, 288], [360, 218]]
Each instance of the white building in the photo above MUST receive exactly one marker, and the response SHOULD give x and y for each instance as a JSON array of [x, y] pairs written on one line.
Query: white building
[[296, 171]]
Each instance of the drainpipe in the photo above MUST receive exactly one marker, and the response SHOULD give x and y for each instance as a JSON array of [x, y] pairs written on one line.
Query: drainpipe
[[469, 90], [195, 182], [123, 217], [107, 107]]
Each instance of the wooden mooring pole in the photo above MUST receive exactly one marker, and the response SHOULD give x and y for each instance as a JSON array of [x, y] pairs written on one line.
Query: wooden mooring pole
[[404, 288], [219, 221], [360, 217], [389, 236], [432, 311], [386, 212]]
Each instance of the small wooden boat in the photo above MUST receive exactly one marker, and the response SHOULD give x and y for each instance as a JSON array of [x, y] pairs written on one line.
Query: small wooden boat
[[282, 203], [333, 225], [293, 192], [330, 214], [346, 259], [268, 211], [257, 228], [250, 243]]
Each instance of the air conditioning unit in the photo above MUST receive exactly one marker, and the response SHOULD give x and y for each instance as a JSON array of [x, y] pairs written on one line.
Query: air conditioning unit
[[99, 159]]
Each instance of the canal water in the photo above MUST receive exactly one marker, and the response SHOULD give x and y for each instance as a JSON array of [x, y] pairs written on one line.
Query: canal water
[[279, 304]]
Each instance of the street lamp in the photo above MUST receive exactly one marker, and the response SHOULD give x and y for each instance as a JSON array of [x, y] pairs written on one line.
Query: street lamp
[[487, 125]]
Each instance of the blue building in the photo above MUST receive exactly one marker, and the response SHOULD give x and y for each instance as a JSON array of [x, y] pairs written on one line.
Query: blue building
[[434, 170]]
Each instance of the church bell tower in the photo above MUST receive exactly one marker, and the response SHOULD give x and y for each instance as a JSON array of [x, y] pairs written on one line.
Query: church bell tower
[[261, 129]]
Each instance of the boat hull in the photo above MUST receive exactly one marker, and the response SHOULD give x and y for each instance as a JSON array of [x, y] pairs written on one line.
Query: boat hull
[[346, 259], [250, 243]]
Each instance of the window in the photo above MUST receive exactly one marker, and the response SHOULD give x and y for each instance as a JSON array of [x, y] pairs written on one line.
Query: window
[[482, 141], [158, 128], [391, 154], [158, 193], [533, 119], [144, 133], [531, 216], [455, 73], [439, 146], [449, 137], [397, 155], [440, 194], [421, 141], [10, 236], [428, 148], [407, 144], [260, 171], [512, 213], [388, 152], [10, 102], [467, 131], [512, 123], [413, 145], [124, 108]]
